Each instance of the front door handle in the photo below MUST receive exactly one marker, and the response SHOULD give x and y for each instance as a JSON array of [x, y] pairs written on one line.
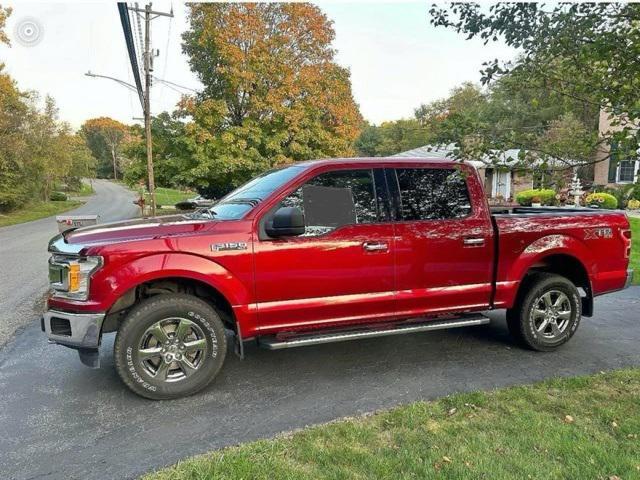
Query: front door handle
[[473, 242], [375, 246]]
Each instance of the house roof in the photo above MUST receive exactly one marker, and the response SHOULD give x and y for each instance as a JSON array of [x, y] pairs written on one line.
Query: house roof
[[507, 158]]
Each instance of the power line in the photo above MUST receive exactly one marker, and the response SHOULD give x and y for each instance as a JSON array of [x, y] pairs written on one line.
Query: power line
[[131, 49], [168, 83], [166, 54]]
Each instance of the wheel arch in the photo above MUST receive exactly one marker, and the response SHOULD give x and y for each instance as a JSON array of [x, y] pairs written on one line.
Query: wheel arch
[[174, 273], [566, 265]]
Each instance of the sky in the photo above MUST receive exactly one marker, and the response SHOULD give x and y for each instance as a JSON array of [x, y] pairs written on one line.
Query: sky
[[396, 58]]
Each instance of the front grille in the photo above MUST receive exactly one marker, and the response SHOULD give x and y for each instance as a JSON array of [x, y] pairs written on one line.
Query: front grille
[[60, 326]]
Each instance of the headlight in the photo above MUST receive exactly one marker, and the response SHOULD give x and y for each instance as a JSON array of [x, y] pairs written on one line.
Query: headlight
[[69, 276]]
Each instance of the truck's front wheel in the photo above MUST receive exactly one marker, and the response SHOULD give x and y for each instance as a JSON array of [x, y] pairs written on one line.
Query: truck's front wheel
[[547, 313], [170, 346]]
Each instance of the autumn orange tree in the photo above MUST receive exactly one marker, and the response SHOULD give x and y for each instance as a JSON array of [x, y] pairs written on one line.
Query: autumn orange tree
[[272, 92], [105, 138]]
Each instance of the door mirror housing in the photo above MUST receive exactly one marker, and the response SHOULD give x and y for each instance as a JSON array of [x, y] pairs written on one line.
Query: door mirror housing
[[286, 222]]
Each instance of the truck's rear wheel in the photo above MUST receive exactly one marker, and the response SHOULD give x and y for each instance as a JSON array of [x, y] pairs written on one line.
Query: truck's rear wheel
[[170, 346], [547, 313]]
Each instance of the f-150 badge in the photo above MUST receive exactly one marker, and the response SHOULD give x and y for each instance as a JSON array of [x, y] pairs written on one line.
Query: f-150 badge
[[220, 247], [595, 233]]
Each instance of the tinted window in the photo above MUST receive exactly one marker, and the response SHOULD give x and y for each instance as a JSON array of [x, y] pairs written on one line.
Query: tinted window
[[334, 199], [433, 193]]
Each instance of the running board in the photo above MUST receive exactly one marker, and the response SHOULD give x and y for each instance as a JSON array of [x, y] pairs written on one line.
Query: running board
[[304, 339]]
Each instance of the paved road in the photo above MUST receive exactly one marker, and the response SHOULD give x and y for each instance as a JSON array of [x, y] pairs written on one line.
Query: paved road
[[23, 254], [59, 419]]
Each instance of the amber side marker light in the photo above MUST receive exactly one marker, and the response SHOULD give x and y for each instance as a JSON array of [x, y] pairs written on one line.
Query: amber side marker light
[[74, 277]]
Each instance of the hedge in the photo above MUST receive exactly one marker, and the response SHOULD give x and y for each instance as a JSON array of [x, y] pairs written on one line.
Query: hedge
[[58, 196], [602, 200], [546, 196]]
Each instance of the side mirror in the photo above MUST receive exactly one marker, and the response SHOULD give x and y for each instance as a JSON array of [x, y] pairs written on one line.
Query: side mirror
[[287, 221]]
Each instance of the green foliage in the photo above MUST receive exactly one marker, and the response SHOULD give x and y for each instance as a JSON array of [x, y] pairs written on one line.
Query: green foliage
[[574, 53], [58, 197], [36, 149], [544, 196], [602, 200]]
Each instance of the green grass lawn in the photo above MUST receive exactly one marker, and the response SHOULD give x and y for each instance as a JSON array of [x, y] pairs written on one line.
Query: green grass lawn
[[171, 196], [582, 428], [635, 249], [85, 190], [36, 211]]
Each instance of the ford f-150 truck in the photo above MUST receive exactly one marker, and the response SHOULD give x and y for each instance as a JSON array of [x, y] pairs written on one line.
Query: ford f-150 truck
[[326, 251]]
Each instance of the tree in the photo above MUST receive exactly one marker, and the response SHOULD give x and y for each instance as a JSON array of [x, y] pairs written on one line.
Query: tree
[[104, 137], [272, 91], [4, 14], [582, 51], [172, 153], [13, 145]]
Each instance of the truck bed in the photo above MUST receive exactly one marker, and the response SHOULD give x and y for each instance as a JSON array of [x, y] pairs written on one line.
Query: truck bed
[[526, 235]]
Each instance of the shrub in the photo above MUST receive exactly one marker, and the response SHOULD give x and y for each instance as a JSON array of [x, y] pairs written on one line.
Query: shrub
[[602, 200], [545, 196], [57, 197], [633, 204]]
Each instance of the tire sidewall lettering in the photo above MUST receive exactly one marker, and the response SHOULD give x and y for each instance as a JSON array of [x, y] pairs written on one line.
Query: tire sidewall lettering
[[210, 330], [134, 373]]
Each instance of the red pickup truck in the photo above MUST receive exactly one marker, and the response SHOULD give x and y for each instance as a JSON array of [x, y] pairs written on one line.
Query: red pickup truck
[[326, 251]]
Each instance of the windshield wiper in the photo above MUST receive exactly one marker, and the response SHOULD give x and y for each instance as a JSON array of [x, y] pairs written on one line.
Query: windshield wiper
[[243, 201], [202, 212]]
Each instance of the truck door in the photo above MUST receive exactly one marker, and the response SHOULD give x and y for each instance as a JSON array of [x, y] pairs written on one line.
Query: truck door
[[444, 241], [341, 270]]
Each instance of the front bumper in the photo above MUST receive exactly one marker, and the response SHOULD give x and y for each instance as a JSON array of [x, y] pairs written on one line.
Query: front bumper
[[629, 278], [75, 330]]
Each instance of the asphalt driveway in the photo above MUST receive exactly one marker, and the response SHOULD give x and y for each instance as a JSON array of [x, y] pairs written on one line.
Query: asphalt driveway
[[23, 254], [59, 419]]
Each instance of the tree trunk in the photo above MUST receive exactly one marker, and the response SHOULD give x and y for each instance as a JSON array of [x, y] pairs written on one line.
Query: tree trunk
[[113, 156]]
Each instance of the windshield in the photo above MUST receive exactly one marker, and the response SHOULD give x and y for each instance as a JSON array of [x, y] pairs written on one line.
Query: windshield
[[244, 198]]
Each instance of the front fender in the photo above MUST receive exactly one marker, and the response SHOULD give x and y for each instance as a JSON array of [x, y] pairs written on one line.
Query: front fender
[[116, 279]]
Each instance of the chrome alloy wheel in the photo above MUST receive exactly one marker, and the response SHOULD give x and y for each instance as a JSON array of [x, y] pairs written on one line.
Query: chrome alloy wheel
[[172, 349], [551, 314]]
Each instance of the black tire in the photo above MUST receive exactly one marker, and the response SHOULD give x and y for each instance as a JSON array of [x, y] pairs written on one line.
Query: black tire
[[526, 320], [197, 346]]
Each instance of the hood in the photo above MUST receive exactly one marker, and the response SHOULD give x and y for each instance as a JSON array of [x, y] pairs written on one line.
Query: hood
[[137, 229]]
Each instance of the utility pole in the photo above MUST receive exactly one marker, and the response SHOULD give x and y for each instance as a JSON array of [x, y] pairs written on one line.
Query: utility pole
[[148, 68]]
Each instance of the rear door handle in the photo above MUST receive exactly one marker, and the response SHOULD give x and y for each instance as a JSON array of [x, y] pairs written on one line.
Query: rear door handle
[[474, 242], [375, 246]]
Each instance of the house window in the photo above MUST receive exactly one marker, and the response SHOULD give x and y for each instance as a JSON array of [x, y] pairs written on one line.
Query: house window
[[626, 171]]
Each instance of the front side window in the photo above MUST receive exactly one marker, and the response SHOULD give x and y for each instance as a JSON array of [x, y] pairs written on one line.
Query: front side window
[[335, 199], [433, 193]]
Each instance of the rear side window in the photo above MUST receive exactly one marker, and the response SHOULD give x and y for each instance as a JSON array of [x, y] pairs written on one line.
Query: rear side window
[[334, 199], [433, 193]]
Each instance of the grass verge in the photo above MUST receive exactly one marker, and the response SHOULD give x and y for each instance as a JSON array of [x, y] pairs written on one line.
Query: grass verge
[[635, 249], [36, 211], [85, 190], [585, 427], [170, 196]]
